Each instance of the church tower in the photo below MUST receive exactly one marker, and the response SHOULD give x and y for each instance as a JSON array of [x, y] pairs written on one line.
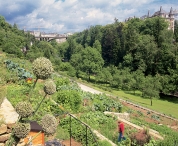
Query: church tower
[[161, 13], [171, 19]]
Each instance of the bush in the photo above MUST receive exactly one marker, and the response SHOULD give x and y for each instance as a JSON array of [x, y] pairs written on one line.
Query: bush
[[70, 100], [140, 138]]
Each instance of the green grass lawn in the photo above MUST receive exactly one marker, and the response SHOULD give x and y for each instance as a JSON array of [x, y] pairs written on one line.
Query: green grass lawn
[[163, 106]]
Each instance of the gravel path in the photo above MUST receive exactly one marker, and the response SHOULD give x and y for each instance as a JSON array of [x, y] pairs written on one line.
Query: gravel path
[[88, 89]]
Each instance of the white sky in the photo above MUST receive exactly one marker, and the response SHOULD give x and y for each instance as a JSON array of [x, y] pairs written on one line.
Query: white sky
[[63, 16]]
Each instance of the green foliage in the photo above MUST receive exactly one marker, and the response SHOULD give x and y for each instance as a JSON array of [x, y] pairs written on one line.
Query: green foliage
[[176, 30], [78, 131], [69, 99], [60, 81], [17, 71], [151, 143], [103, 123], [126, 142], [66, 66], [155, 117], [104, 143], [62, 133], [103, 103], [89, 60]]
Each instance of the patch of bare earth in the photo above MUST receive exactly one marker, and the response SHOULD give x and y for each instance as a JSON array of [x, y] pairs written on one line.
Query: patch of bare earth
[[148, 116]]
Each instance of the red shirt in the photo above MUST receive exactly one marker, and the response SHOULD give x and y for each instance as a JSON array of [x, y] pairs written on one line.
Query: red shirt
[[121, 127]]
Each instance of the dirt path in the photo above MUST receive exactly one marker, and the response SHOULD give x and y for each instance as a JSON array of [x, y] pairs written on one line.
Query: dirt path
[[88, 89]]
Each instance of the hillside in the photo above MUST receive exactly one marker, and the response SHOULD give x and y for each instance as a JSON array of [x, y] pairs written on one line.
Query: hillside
[[114, 59]]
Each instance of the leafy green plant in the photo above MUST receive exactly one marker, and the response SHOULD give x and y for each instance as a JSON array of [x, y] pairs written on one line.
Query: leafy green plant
[[126, 142], [104, 143], [69, 99], [103, 123], [155, 117], [62, 134], [25, 110], [78, 131], [140, 113]]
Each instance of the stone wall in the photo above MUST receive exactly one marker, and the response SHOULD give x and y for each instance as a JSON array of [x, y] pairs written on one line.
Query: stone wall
[[8, 118], [5, 132]]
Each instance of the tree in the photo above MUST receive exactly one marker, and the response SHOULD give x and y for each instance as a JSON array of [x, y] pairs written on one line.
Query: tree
[[97, 45], [152, 87], [110, 45], [89, 60], [71, 47], [136, 81], [75, 61], [104, 75], [176, 30]]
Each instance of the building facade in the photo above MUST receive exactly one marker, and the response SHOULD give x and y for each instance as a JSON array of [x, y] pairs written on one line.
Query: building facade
[[169, 16]]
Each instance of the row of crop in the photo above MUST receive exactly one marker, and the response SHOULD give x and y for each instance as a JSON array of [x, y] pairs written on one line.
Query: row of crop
[[170, 136], [105, 124], [19, 71]]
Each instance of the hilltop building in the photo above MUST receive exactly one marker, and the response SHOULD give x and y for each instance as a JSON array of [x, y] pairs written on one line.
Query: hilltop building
[[169, 16]]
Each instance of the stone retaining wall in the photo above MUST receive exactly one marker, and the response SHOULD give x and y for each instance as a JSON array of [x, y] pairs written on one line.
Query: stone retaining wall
[[5, 132]]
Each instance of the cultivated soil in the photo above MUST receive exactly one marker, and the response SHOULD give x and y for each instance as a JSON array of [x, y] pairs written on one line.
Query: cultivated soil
[[163, 119]]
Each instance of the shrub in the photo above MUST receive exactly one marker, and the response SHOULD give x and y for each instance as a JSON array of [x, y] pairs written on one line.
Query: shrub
[[140, 138], [71, 100]]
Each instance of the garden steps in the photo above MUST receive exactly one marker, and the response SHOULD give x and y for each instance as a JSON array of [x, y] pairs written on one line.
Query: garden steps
[[151, 131]]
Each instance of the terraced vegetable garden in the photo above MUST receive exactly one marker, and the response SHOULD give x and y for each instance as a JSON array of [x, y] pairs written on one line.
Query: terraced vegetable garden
[[87, 107]]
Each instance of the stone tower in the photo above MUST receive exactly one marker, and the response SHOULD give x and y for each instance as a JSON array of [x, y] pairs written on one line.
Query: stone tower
[[171, 19]]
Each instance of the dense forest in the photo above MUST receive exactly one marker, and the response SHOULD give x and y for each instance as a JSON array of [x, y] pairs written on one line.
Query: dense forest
[[134, 55]]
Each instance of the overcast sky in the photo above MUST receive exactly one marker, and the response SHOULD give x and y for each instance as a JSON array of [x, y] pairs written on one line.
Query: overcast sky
[[63, 16]]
